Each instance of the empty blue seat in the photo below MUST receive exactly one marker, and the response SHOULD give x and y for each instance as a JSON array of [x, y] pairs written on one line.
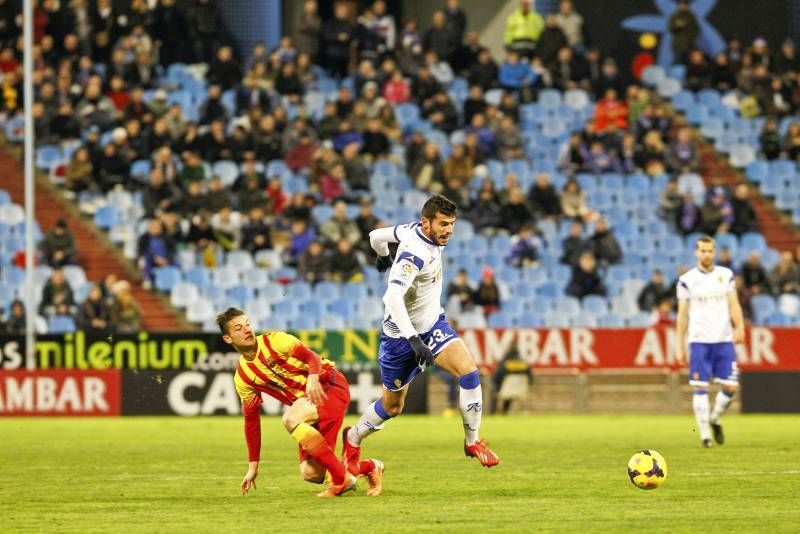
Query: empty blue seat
[[763, 306], [241, 294], [500, 319], [333, 322], [286, 308], [299, 291], [343, 307], [61, 324], [166, 277], [326, 291], [106, 217], [595, 304], [753, 241], [354, 291]]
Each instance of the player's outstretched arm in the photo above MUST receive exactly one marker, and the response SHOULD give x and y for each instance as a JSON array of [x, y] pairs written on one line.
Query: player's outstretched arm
[[252, 434]]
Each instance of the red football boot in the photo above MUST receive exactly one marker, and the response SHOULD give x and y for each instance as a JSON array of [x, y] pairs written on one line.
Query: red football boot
[[484, 454]]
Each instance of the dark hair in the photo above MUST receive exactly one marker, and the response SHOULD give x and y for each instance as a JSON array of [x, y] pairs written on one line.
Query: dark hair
[[704, 239], [438, 204], [224, 317]]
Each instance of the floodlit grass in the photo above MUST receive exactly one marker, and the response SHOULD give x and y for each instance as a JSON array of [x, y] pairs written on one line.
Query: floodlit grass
[[557, 473]]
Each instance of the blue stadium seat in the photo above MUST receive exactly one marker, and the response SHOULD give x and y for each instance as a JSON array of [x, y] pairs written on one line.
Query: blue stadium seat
[[568, 306], [255, 277], [354, 291], [299, 291], [325, 291], [106, 217], [763, 306], [61, 324], [500, 319], [166, 277], [595, 304], [241, 294], [47, 156], [333, 322], [183, 294], [199, 276], [343, 307], [200, 311], [753, 241], [286, 308], [304, 322]]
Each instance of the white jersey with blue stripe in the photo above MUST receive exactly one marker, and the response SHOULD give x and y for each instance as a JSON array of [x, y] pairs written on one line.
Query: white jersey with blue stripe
[[417, 271]]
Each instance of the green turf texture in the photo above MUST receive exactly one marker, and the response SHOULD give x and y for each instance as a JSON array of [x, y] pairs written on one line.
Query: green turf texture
[[557, 473]]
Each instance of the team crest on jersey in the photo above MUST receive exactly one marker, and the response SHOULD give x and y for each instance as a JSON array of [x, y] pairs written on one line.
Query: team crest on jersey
[[721, 280], [398, 383]]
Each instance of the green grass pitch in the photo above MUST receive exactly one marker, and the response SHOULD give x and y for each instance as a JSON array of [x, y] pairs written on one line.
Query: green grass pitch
[[557, 473]]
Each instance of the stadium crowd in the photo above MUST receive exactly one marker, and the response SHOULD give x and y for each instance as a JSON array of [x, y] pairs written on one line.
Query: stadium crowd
[[100, 69]]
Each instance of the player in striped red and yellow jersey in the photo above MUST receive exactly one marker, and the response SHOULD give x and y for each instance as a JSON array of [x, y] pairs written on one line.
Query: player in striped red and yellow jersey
[[317, 394]]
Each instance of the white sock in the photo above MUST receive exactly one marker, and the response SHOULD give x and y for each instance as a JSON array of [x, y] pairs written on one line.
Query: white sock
[[370, 422], [470, 402], [720, 405], [701, 409]]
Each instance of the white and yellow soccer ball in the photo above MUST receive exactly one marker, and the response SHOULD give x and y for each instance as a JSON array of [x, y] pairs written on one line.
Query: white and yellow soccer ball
[[647, 469]]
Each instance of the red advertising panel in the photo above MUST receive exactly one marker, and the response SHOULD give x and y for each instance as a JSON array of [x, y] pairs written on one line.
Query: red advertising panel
[[60, 393], [765, 349]]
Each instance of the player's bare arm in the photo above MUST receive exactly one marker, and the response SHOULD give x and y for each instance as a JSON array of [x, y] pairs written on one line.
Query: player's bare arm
[[681, 326], [737, 317], [314, 391]]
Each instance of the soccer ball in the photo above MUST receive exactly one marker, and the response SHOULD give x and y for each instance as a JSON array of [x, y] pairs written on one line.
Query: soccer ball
[[647, 469]]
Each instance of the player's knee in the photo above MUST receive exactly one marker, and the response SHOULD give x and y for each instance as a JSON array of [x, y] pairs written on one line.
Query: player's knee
[[289, 421], [730, 389], [394, 409], [313, 474]]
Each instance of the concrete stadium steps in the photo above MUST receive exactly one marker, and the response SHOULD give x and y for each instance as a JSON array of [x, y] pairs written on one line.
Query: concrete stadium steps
[[97, 256], [778, 230]]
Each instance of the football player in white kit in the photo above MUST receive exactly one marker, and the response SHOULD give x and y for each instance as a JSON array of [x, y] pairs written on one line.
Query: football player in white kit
[[415, 331], [707, 303]]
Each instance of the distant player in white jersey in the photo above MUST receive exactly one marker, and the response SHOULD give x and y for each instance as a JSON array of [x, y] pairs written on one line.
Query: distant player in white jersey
[[707, 303], [415, 331]]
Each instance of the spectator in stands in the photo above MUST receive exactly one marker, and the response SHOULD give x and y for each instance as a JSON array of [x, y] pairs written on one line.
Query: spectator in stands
[[15, 324], [456, 21], [340, 227], [770, 140], [669, 202], [299, 156], [716, 215], [336, 38], [301, 237], [744, 216], [366, 222], [461, 291], [754, 274], [652, 156], [525, 247], [574, 245], [224, 70], [397, 90], [516, 76], [315, 264], [154, 250], [95, 313], [690, 183], [585, 278], [218, 196], [571, 23], [345, 264], [785, 276], [573, 201], [79, 171], [440, 38], [113, 169], [427, 171], [486, 214], [202, 238], [487, 294], [653, 293], [543, 198], [725, 259], [441, 112], [683, 154], [376, 143], [604, 244], [161, 195], [125, 313], [684, 28], [288, 83], [483, 73], [598, 160], [307, 32], [58, 245], [57, 295], [227, 227], [509, 140], [251, 196], [459, 165], [256, 233], [515, 211], [333, 184], [523, 28], [551, 40]]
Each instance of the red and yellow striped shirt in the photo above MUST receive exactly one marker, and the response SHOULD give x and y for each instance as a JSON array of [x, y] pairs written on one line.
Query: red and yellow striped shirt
[[280, 369]]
